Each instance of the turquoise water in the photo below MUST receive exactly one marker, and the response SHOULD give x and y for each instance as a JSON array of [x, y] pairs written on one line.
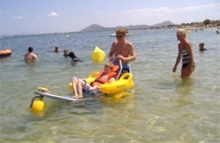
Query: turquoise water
[[160, 108]]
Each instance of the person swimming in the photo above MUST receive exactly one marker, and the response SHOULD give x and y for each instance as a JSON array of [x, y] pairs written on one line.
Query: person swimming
[[201, 47], [56, 50], [71, 55]]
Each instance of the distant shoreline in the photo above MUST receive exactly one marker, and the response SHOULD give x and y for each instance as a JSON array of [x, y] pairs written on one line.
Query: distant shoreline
[[152, 28], [163, 25]]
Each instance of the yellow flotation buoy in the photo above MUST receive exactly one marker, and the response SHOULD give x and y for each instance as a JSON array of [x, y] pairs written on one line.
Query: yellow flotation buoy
[[98, 55], [38, 105]]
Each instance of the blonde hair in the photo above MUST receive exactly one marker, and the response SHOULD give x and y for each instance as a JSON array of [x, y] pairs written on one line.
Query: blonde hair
[[181, 32], [110, 65], [122, 31]]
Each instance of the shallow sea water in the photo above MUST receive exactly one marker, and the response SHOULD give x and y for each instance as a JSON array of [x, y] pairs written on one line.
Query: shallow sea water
[[160, 108]]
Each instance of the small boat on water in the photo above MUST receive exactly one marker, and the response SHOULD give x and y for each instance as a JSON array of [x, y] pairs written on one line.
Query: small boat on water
[[114, 34], [5, 53]]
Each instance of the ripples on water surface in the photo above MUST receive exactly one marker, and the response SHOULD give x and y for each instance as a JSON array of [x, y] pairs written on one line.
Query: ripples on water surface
[[160, 108]]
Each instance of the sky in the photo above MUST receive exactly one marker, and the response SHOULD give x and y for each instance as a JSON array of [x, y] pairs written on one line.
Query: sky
[[54, 16]]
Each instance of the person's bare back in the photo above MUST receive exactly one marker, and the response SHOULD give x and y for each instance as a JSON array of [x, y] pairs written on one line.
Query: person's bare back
[[30, 57]]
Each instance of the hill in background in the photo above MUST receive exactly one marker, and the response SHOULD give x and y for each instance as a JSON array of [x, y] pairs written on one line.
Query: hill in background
[[165, 23], [96, 27]]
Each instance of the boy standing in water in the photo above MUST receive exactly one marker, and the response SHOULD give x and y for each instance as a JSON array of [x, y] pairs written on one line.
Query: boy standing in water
[[122, 49], [30, 57], [184, 52]]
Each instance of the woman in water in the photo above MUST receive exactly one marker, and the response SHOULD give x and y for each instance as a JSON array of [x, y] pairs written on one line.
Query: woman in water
[[184, 52]]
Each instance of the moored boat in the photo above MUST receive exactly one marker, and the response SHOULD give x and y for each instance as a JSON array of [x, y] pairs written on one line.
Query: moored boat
[[114, 34]]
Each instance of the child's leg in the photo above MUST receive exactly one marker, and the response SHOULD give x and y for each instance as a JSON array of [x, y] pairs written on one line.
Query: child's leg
[[74, 84], [80, 89]]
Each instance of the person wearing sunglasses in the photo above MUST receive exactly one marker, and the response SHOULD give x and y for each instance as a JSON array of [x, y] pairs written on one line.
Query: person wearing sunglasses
[[122, 49]]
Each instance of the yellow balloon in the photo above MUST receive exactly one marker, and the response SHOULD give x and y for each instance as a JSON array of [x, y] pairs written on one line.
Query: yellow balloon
[[38, 105], [98, 55]]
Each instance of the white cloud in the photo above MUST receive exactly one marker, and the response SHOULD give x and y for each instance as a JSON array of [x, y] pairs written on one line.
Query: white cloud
[[17, 17], [53, 14]]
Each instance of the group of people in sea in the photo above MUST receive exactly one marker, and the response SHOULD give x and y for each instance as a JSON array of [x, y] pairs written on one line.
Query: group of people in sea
[[124, 50], [66, 53], [31, 57]]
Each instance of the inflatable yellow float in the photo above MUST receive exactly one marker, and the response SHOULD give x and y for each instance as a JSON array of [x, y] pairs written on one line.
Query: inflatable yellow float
[[98, 55], [123, 83], [38, 105]]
